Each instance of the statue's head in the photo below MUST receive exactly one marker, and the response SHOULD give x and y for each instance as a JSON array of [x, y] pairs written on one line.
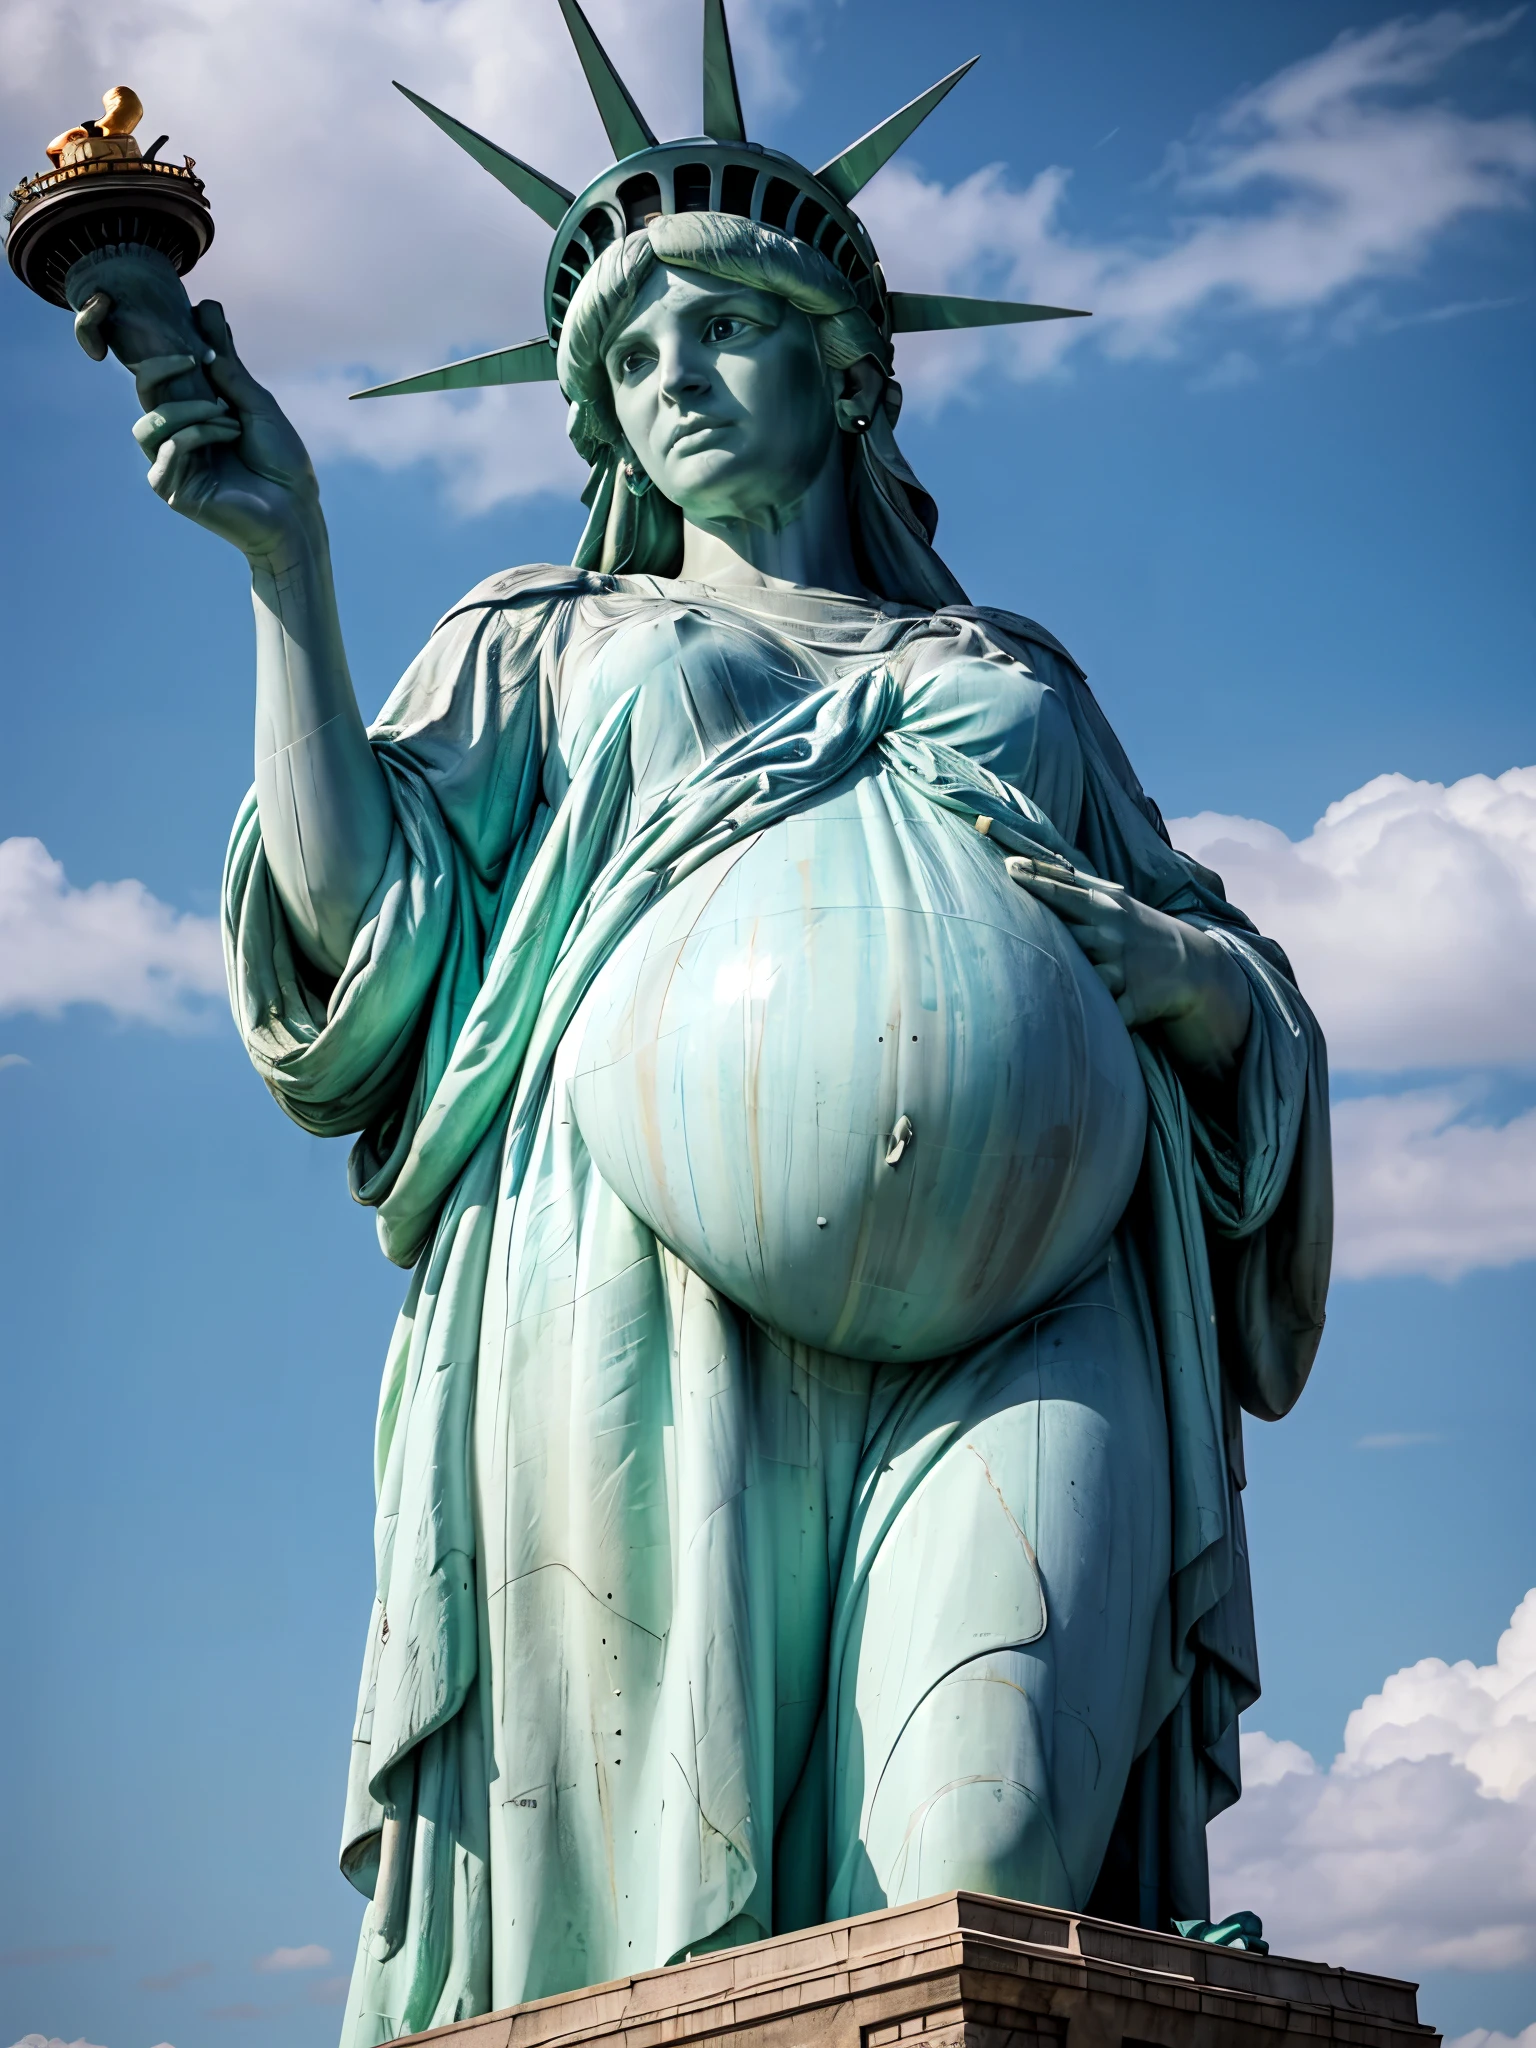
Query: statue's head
[[714, 367], [758, 272]]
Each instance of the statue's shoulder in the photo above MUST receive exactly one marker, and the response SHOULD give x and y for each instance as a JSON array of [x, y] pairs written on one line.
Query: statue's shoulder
[[1088, 714], [1014, 626], [531, 587]]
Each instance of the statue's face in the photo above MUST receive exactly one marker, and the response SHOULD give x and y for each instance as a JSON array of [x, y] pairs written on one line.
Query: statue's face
[[723, 397]]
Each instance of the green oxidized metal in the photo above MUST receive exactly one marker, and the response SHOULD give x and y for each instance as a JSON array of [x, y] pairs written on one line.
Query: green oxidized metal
[[719, 171]]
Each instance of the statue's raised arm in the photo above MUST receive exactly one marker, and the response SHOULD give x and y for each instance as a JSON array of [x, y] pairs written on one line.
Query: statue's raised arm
[[108, 230]]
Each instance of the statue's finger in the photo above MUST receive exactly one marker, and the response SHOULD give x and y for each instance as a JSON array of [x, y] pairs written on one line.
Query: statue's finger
[[154, 429], [213, 325], [1072, 899], [1048, 868], [229, 376], [178, 447], [90, 326], [165, 419], [155, 371], [167, 469], [208, 434]]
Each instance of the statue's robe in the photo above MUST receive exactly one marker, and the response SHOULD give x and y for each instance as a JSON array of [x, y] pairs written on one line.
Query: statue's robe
[[618, 1701]]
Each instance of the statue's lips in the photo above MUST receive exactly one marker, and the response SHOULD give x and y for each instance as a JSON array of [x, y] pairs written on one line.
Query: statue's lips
[[861, 1083], [699, 434]]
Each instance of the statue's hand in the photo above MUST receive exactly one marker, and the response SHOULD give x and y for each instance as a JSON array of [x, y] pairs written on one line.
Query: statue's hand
[[1160, 970], [233, 463]]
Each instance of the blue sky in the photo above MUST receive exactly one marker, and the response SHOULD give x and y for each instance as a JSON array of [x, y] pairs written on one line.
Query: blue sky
[[1276, 496]]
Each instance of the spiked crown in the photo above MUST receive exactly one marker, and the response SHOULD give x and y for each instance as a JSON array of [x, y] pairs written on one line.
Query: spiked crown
[[719, 171]]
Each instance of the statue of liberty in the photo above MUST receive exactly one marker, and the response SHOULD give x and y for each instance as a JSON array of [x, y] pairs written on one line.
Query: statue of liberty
[[852, 1170]]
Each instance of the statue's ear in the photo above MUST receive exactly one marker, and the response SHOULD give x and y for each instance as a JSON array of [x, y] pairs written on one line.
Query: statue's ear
[[858, 391]]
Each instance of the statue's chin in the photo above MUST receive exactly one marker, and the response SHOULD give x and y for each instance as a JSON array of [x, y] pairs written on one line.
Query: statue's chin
[[746, 1058]]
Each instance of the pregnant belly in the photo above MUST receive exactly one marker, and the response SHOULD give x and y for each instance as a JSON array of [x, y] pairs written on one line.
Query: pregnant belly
[[861, 1083]]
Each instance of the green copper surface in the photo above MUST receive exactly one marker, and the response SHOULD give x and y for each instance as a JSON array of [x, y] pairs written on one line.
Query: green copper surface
[[625, 126], [531, 362], [928, 312], [547, 199], [722, 101], [851, 169]]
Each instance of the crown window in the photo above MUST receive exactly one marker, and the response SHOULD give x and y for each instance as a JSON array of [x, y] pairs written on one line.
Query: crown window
[[597, 227], [737, 184], [808, 218], [690, 188], [640, 197], [777, 200]]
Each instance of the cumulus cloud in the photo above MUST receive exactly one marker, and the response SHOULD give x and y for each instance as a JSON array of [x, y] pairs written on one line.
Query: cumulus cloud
[[310, 1957], [356, 243], [1416, 1848], [1420, 1190], [53, 2041], [1409, 914], [112, 943], [1335, 173], [1485, 2037]]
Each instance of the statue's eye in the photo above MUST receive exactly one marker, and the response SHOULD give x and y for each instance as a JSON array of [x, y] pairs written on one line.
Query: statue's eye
[[724, 328], [633, 362]]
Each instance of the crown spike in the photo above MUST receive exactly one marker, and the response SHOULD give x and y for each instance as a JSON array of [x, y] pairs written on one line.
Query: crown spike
[[722, 101], [849, 173], [928, 312], [626, 127], [531, 362], [547, 199]]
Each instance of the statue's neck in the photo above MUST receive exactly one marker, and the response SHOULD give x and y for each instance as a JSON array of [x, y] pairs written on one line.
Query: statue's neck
[[804, 546]]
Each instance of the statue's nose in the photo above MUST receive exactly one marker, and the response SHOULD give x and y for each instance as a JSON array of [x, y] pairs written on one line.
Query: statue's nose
[[684, 374]]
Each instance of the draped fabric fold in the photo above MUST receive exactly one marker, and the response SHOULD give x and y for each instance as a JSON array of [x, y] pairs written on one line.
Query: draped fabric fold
[[515, 869]]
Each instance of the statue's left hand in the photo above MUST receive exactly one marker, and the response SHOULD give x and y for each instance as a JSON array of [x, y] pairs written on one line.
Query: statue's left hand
[[1160, 971], [234, 463]]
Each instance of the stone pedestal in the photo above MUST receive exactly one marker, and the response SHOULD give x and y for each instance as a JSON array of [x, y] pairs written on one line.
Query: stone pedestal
[[963, 1971]]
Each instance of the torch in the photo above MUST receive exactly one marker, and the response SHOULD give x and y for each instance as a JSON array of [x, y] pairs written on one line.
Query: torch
[[109, 231]]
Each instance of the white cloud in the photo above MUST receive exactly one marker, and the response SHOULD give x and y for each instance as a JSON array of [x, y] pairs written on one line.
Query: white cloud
[[1266, 1762], [356, 243], [1409, 914], [53, 2041], [1416, 1849], [1484, 2037], [112, 943], [1417, 1190], [1326, 177], [310, 1957], [486, 447]]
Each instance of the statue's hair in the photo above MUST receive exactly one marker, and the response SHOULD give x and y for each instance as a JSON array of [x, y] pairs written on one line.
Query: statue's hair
[[891, 517]]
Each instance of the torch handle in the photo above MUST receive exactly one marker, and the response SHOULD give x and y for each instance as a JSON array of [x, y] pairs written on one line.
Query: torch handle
[[150, 315]]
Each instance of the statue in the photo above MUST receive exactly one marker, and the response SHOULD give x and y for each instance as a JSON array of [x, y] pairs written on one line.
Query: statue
[[852, 1170]]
